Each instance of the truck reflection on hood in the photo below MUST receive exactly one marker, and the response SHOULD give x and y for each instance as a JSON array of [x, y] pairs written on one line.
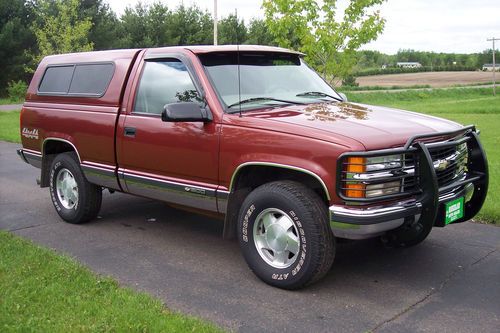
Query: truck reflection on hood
[[331, 111]]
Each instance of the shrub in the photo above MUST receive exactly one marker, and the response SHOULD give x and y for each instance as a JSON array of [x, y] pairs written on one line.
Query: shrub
[[350, 80], [400, 70], [17, 90]]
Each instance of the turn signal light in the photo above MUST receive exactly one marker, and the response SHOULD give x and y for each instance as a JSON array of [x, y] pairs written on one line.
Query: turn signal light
[[355, 165]]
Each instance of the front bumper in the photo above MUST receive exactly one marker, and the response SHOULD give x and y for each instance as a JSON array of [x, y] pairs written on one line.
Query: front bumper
[[358, 222]]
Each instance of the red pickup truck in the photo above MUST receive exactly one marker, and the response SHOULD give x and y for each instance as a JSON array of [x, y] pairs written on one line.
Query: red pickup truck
[[250, 133]]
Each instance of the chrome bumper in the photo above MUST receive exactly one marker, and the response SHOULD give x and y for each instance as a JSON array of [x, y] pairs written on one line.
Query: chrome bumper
[[360, 223]]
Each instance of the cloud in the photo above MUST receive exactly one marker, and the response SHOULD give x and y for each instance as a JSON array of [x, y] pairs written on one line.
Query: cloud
[[460, 26]]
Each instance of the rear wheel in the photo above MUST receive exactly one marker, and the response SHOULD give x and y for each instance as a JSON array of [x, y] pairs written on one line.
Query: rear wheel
[[74, 198], [284, 234]]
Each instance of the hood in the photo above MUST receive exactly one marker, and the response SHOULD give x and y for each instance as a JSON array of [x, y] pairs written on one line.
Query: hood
[[373, 126]]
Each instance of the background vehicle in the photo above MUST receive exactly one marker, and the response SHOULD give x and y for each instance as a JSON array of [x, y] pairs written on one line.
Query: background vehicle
[[254, 135]]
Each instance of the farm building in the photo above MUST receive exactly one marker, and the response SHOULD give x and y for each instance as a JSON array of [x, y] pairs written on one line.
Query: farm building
[[489, 67], [408, 64]]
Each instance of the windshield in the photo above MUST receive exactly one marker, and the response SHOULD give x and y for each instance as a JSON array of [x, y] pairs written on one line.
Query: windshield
[[266, 79]]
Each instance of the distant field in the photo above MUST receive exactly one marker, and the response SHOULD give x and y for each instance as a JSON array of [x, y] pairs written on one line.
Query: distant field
[[466, 106], [433, 79]]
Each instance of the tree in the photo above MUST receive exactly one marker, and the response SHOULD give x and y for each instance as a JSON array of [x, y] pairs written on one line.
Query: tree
[[106, 31], [59, 29], [16, 40], [312, 27], [232, 30], [259, 34], [191, 25]]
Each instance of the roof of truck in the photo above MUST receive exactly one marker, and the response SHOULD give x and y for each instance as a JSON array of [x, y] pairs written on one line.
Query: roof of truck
[[112, 55], [244, 48]]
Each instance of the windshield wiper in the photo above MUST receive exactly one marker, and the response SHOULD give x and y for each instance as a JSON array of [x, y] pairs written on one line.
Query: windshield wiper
[[318, 94], [257, 99]]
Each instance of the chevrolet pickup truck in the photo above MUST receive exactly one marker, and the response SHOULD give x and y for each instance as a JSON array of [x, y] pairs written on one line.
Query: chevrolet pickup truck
[[255, 136]]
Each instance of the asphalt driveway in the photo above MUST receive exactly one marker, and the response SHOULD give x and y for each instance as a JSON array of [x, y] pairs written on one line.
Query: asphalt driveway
[[450, 283]]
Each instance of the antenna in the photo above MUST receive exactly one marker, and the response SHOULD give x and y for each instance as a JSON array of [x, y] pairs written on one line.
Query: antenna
[[238, 55]]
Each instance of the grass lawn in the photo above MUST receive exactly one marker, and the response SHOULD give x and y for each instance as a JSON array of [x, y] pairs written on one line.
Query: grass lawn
[[466, 106], [41, 291], [9, 126]]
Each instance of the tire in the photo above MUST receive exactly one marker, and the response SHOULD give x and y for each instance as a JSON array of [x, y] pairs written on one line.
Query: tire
[[284, 235], [74, 198]]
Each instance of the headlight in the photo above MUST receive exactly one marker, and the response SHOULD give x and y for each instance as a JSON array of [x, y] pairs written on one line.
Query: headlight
[[370, 177], [383, 162]]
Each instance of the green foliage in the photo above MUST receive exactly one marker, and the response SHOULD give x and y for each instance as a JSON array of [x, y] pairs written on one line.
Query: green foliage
[[399, 70], [41, 291], [232, 30], [16, 40], [191, 26], [259, 34], [371, 62], [17, 90], [59, 28], [106, 29], [313, 27], [350, 81]]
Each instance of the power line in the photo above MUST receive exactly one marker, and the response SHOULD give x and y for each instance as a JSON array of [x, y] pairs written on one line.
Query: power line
[[494, 65]]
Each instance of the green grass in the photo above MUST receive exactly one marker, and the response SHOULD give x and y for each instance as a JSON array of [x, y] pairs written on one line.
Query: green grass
[[4, 101], [9, 126], [466, 106], [41, 291]]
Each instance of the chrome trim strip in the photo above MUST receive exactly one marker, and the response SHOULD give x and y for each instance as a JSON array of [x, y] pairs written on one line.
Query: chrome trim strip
[[222, 201], [100, 176], [173, 192], [21, 155], [35, 159], [63, 140], [284, 166]]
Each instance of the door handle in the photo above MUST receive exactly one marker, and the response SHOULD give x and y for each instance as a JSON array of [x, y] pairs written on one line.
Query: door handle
[[130, 131]]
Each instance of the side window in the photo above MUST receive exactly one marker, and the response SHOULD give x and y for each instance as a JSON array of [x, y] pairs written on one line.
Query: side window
[[87, 80], [164, 82]]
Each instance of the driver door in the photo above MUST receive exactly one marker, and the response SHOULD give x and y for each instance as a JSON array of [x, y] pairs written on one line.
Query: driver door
[[175, 162]]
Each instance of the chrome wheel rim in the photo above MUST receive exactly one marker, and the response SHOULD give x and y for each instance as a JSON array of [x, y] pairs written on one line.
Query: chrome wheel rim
[[67, 189], [276, 238]]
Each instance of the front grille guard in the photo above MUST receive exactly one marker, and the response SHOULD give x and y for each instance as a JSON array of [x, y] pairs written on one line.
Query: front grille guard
[[427, 190]]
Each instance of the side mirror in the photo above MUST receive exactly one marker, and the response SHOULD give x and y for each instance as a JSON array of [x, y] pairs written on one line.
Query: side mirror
[[343, 96], [185, 112]]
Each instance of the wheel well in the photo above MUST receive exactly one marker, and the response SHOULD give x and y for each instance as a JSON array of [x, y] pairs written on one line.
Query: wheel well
[[252, 176], [51, 148]]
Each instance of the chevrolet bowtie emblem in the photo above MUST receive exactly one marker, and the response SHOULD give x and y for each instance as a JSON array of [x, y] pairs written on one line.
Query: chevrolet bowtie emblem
[[441, 165]]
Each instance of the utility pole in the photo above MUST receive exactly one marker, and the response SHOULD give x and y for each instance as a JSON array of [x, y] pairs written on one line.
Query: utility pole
[[494, 64], [215, 22]]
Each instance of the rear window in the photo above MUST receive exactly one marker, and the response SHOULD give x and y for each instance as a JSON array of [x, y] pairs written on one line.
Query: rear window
[[90, 80]]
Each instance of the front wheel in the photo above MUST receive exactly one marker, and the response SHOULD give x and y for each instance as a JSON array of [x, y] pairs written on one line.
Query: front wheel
[[74, 198], [284, 234]]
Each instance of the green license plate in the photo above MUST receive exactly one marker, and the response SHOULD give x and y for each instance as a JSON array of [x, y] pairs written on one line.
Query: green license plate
[[454, 210]]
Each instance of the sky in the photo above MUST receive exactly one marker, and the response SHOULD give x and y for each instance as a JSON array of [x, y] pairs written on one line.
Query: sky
[[459, 26]]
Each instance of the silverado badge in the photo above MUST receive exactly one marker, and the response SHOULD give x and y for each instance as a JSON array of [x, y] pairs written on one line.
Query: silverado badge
[[30, 134]]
